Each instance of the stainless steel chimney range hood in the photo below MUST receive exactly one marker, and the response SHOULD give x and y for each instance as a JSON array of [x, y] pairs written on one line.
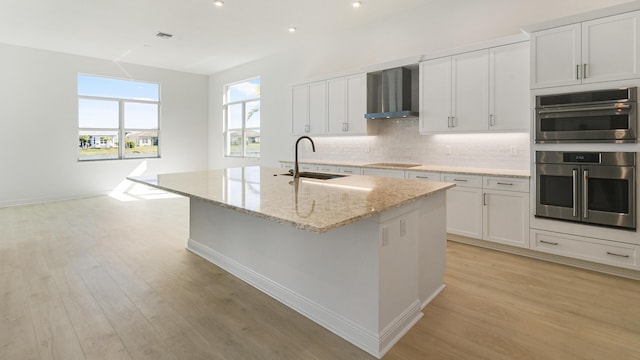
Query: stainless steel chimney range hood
[[389, 94]]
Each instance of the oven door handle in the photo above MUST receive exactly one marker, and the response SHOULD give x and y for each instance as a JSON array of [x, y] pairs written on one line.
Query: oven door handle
[[585, 108], [575, 192], [585, 194]]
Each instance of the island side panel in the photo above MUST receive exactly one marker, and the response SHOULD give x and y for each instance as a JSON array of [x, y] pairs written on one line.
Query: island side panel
[[332, 278], [432, 246]]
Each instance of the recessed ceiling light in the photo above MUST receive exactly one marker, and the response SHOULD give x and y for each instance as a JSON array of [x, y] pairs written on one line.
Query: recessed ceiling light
[[218, 3], [356, 4], [292, 29]]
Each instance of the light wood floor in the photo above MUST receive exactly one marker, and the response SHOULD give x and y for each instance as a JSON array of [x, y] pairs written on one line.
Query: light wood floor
[[103, 279]]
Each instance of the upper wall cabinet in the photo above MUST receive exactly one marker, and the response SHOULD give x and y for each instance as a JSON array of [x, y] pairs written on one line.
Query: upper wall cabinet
[[347, 105], [310, 108], [509, 87], [331, 107], [484, 90], [604, 49], [455, 93]]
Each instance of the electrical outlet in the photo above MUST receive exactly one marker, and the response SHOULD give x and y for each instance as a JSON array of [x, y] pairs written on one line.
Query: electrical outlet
[[513, 150], [385, 236], [447, 149]]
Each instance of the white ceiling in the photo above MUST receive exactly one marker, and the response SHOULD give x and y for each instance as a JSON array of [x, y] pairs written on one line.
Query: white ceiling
[[207, 39]]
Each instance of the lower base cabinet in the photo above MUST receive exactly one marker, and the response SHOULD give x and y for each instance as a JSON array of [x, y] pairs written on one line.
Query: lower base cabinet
[[489, 208], [579, 247], [464, 211]]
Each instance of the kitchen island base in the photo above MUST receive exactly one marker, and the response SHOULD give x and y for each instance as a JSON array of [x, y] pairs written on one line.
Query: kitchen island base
[[366, 282]]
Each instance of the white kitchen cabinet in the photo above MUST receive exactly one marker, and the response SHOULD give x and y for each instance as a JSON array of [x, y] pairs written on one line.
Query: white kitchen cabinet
[[469, 102], [464, 205], [435, 95], [349, 170], [455, 93], [327, 168], [301, 166], [509, 87], [347, 105], [604, 49], [317, 108], [590, 249], [399, 174], [423, 175], [310, 109], [506, 210], [337, 102], [476, 91]]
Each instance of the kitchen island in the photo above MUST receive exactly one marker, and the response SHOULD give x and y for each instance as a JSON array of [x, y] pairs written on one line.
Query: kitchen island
[[359, 255]]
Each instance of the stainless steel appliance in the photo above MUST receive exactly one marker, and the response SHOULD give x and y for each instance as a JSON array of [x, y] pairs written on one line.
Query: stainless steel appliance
[[605, 116], [390, 94], [589, 187]]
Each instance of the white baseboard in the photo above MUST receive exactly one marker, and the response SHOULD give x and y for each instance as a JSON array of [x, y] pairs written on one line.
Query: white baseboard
[[375, 344], [433, 296]]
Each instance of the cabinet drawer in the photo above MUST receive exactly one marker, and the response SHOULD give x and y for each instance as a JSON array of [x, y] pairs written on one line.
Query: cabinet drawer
[[349, 170], [589, 249], [506, 183], [306, 167], [463, 180], [327, 168], [424, 175]]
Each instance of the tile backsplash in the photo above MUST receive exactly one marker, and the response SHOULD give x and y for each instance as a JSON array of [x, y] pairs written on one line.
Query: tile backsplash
[[400, 141]]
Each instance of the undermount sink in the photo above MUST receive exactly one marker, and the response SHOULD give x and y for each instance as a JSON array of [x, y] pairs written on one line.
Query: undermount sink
[[316, 175], [397, 165]]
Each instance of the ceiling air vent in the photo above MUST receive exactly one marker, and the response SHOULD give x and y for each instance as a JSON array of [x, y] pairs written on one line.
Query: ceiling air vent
[[164, 35]]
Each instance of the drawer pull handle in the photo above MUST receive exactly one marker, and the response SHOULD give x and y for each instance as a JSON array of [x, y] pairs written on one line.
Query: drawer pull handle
[[548, 242], [421, 177], [503, 183], [347, 171], [618, 255], [463, 180]]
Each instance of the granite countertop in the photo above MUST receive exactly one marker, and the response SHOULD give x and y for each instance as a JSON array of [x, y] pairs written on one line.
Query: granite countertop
[[437, 168], [308, 204]]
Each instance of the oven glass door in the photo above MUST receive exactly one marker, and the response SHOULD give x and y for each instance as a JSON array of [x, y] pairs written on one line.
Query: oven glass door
[[557, 191], [606, 125], [608, 195]]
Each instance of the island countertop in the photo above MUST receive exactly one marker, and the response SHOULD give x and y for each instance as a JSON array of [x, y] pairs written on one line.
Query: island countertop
[[308, 204]]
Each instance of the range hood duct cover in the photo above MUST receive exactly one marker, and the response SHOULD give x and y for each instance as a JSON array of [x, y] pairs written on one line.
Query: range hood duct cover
[[389, 94]]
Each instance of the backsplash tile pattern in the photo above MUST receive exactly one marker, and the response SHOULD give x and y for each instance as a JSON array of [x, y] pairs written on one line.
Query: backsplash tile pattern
[[400, 141]]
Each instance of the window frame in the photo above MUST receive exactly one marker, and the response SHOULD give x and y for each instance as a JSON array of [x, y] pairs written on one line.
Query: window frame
[[121, 130], [226, 133]]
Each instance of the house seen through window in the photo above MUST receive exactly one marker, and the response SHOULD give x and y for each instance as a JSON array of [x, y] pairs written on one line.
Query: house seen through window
[[117, 119], [242, 118]]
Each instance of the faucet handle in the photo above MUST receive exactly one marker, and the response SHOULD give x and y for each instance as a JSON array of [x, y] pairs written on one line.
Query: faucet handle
[[290, 171]]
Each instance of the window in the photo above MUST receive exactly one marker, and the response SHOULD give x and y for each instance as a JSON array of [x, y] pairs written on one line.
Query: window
[[242, 118], [110, 110]]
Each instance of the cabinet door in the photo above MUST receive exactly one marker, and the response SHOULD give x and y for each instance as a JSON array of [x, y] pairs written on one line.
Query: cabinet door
[[300, 110], [470, 88], [509, 87], [464, 211], [555, 57], [611, 48], [506, 217], [435, 99], [318, 108], [356, 104], [337, 101]]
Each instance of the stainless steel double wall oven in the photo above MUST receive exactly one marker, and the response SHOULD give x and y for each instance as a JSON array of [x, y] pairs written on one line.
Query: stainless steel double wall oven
[[593, 187]]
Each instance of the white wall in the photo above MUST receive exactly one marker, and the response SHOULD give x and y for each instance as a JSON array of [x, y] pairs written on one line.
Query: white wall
[[39, 125], [439, 25]]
